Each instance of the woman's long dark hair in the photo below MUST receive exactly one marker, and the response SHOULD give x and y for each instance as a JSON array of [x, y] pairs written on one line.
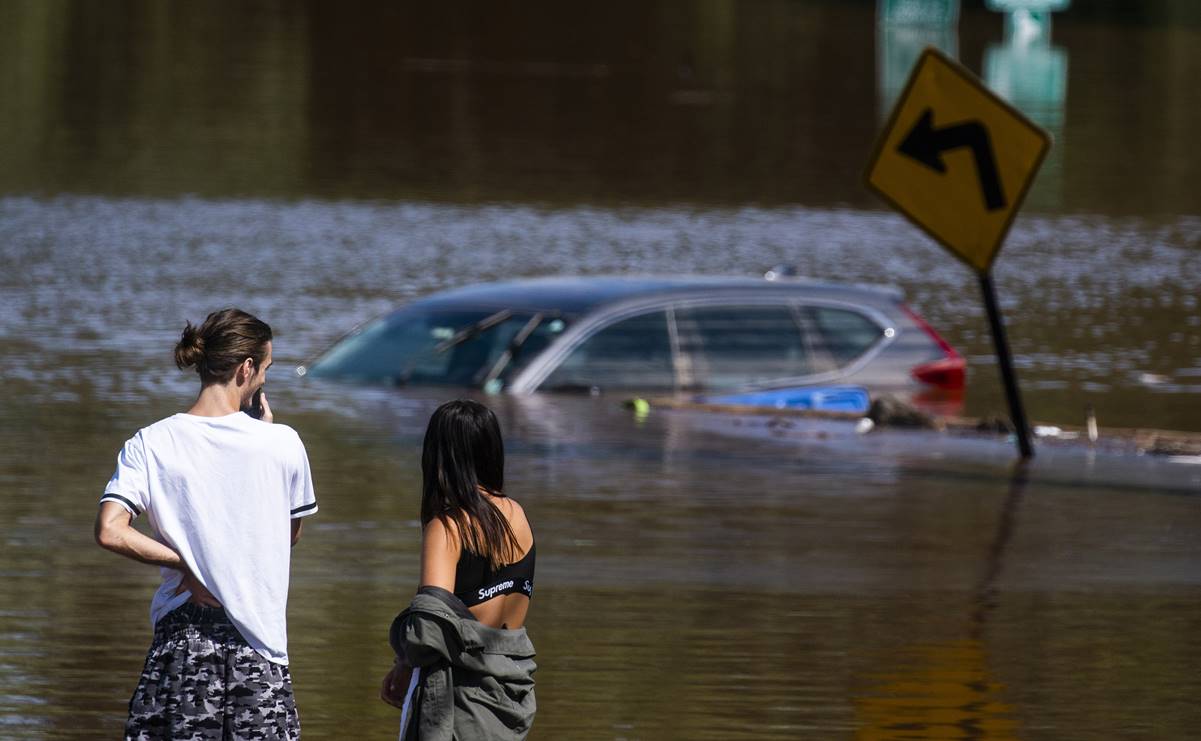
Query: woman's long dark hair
[[463, 453]]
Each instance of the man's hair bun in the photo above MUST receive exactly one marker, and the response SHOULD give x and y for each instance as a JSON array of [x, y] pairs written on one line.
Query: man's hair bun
[[190, 349]]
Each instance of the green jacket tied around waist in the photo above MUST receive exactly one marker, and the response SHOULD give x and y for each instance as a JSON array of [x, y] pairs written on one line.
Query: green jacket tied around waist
[[476, 682]]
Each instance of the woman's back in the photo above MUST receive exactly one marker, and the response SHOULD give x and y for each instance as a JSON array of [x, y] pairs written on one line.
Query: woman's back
[[499, 598], [496, 597]]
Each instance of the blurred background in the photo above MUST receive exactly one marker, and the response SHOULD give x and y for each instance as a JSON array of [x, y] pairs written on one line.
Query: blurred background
[[319, 163]]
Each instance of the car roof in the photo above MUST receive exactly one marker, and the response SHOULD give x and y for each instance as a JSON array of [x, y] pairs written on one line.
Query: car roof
[[583, 294]]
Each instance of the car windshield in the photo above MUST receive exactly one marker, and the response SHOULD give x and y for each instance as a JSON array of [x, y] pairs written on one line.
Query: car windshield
[[441, 346]]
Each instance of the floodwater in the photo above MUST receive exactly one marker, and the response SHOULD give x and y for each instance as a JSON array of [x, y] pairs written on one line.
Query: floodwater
[[699, 577]]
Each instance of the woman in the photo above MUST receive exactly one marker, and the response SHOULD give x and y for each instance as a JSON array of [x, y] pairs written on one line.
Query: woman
[[464, 663]]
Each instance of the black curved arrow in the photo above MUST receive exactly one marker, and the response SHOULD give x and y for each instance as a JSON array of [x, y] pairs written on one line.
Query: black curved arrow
[[926, 144]]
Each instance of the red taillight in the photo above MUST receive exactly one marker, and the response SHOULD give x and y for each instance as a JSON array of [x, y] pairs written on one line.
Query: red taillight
[[946, 373]]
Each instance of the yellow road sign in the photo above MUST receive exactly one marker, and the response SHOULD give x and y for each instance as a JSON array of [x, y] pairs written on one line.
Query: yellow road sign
[[956, 159]]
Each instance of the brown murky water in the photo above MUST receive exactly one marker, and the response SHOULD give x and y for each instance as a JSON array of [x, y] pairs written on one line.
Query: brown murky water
[[698, 579]]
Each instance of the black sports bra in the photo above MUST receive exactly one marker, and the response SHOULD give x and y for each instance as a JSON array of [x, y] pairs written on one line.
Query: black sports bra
[[476, 582]]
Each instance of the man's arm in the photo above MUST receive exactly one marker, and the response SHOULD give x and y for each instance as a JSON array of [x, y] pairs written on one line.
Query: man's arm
[[115, 532], [297, 524]]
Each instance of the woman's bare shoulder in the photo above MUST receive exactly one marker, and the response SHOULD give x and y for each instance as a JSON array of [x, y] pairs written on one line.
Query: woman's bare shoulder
[[516, 516], [442, 531]]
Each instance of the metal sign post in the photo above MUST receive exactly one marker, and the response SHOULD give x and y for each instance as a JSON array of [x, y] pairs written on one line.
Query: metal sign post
[[957, 161], [1008, 377]]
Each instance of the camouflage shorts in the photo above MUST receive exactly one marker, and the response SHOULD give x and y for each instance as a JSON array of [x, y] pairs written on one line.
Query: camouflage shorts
[[203, 681]]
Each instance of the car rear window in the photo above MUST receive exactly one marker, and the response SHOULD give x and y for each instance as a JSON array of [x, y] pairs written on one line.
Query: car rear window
[[843, 334], [632, 353], [736, 346]]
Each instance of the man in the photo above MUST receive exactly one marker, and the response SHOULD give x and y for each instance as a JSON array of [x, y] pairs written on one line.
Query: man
[[224, 494]]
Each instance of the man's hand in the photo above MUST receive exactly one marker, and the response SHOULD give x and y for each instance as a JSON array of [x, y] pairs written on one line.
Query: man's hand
[[115, 532], [200, 595], [267, 417], [396, 683]]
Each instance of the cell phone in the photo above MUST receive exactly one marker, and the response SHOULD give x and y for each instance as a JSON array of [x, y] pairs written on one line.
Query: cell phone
[[256, 405]]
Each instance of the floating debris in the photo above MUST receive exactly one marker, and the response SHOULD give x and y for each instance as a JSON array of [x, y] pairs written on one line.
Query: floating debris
[[994, 424], [888, 412], [641, 407]]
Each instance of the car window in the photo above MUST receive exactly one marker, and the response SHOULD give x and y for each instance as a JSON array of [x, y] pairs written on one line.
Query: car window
[[843, 334], [632, 353], [734, 346], [416, 345]]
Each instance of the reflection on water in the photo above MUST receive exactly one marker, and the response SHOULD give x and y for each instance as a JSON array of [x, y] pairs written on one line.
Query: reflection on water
[[697, 582], [940, 691], [701, 578], [904, 28], [1032, 73], [944, 690], [632, 102]]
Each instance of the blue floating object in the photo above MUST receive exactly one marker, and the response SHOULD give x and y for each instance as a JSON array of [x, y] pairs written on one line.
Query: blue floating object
[[852, 399]]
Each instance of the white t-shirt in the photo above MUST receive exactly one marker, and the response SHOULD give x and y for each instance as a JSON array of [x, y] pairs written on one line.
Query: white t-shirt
[[222, 492]]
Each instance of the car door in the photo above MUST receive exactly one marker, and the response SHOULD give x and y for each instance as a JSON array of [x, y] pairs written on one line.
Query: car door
[[732, 346], [634, 352]]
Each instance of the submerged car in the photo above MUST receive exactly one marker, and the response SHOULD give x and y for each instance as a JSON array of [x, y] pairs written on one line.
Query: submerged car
[[648, 334]]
